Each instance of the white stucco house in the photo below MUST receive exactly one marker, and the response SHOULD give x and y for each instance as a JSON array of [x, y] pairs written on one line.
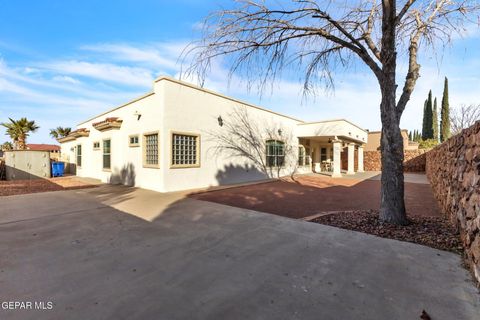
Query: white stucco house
[[180, 136]]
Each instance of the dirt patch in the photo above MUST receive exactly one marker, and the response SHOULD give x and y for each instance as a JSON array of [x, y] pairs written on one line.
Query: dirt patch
[[305, 196], [435, 232], [10, 188]]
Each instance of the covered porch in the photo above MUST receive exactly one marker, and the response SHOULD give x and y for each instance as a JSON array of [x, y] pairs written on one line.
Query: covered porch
[[325, 142]]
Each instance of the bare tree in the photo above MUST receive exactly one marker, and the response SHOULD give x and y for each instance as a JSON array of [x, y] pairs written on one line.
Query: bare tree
[[464, 117], [240, 136], [262, 38]]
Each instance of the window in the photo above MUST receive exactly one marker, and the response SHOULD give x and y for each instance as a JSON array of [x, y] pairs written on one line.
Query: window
[[133, 141], [275, 153], [307, 157], [301, 155], [185, 150], [79, 155], [107, 154], [96, 145], [151, 150], [323, 154]]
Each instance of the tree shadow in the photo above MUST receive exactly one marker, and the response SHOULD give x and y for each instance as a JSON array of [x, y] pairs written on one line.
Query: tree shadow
[[232, 174], [126, 175]]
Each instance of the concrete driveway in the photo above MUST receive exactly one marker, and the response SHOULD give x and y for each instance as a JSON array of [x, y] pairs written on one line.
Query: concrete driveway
[[123, 253]]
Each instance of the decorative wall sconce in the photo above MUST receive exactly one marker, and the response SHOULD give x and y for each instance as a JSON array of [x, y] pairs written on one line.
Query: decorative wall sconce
[[220, 121], [279, 132], [138, 115]]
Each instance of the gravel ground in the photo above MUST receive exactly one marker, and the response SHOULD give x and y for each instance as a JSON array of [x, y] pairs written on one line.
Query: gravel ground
[[435, 232], [10, 188]]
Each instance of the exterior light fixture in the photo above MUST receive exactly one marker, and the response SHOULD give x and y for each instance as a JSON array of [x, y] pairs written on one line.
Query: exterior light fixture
[[138, 115], [220, 121], [329, 140], [279, 132]]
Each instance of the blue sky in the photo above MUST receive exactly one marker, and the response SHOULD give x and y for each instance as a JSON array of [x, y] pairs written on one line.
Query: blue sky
[[64, 61]]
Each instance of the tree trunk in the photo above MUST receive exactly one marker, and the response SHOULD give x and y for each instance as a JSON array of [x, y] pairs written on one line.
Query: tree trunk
[[392, 206], [22, 143]]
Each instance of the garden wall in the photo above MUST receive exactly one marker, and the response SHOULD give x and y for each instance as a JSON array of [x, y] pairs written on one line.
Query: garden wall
[[414, 161], [453, 169]]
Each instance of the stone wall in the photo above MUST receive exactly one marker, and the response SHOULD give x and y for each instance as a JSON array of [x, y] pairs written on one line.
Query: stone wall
[[372, 161], [453, 169], [344, 159], [414, 161]]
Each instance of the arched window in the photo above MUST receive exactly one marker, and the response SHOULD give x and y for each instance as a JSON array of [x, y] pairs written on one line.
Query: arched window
[[275, 153]]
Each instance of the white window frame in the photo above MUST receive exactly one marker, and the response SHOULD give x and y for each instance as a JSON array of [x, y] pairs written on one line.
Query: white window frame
[[77, 156], [276, 156], [302, 163], [109, 154]]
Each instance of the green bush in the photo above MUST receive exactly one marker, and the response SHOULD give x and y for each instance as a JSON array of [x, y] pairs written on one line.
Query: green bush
[[428, 144]]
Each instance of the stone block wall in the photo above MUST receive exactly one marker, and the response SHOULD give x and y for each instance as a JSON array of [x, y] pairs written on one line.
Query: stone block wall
[[344, 159], [414, 161], [453, 169]]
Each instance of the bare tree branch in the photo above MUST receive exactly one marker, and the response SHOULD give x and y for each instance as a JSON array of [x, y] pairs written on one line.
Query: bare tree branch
[[464, 117]]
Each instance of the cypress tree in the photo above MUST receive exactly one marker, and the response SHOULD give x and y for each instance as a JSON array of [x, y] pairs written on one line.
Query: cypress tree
[[435, 120], [410, 136], [427, 132], [424, 123], [445, 114], [430, 116]]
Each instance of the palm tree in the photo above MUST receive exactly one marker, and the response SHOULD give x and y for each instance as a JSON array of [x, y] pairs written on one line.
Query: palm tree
[[60, 132], [19, 130], [6, 146]]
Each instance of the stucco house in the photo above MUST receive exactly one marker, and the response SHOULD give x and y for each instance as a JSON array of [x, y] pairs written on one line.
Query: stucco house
[[373, 143], [179, 136]]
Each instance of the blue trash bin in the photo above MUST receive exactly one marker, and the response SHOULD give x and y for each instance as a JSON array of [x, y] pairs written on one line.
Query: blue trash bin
[[58, 169]]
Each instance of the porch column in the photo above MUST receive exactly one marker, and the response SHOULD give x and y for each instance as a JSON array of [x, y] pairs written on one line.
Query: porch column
[[351, 158], [360, 158], [337, 147]]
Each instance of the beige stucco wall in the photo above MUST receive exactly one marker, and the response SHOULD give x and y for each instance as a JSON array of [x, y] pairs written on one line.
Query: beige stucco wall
[[373, 143], [340, 128]]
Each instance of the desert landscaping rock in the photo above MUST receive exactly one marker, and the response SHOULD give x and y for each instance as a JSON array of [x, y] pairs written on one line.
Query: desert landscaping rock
[[435, 232]]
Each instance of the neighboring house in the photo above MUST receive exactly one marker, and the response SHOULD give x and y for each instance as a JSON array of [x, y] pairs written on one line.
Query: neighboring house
[[373, 143], [52, 148], [167, 140]]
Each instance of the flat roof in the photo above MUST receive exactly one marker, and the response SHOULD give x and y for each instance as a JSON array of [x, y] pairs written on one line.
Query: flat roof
[[334, 120]]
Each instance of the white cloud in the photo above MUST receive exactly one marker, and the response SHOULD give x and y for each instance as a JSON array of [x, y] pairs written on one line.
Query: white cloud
[[155, 56], [126, 75], [65, 79]]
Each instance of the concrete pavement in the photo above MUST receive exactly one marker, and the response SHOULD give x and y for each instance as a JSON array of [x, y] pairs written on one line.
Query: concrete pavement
[[124, 253]]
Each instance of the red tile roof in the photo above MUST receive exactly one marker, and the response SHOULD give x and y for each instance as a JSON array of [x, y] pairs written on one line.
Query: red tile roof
[[43, 147]]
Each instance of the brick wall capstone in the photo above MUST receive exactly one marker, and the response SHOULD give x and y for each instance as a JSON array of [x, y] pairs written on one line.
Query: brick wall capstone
[[453, 169]]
